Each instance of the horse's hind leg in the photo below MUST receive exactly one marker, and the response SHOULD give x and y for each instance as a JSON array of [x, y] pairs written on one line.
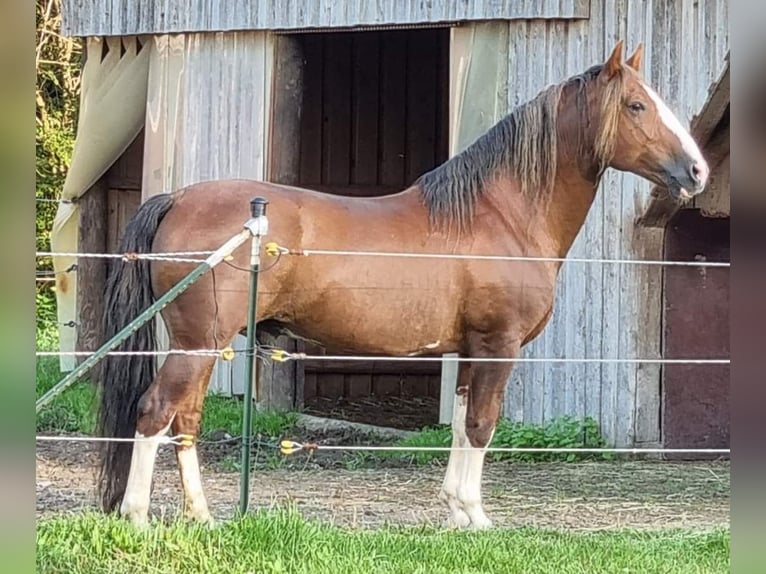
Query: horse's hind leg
[[172, 393], [187, 421]]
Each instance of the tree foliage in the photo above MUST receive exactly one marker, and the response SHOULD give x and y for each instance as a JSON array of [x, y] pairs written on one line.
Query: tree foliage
[[58, 65]]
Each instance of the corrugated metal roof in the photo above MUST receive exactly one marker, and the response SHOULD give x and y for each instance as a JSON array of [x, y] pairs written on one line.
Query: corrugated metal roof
[[128, 17]]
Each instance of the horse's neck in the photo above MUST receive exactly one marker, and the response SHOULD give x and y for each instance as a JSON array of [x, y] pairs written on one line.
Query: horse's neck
[[566, 209], [547, 226]]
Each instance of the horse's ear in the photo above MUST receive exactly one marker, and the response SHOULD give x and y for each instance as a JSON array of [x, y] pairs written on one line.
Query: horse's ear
[[614, 63], [635, 60]]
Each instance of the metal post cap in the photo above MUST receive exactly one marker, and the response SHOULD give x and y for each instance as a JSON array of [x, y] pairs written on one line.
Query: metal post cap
[[258, 206]]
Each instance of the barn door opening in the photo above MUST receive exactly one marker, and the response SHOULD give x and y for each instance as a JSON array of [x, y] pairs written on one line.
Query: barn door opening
[[363, 114]]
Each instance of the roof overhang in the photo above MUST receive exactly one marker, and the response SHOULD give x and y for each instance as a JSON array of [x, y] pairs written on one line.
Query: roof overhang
[[84, 18]]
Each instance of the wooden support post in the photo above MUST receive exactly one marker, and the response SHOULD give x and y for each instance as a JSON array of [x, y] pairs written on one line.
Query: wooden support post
[[447, 393], [280, 385], [91, 273]]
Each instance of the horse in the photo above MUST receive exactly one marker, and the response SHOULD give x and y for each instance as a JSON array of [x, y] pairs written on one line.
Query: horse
[[523, 188]]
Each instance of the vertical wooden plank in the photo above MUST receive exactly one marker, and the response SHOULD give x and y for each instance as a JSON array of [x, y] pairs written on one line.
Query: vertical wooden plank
[[121, 205], [434, 383], [556, 378], [330, 384], [613, 374], [336, 89], [649, 320], [285, 390], [311, 119], [387, 385], [310, 387], [392, 107], [286, 111], [593, 41], [358, 385], [421, 104], [275, 383], [300, 378], [634, 191], [92, 234], [415, 386], [364, 150], [577, 298], [516, 398], [447, 392], [442, 97], [535, 379]]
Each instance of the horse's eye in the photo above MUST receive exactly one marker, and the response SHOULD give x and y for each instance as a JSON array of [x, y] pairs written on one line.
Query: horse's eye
[[636, 107]]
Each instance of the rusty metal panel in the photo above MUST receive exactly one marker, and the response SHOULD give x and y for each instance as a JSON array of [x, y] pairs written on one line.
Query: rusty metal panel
[[127, 17], [696, 302]]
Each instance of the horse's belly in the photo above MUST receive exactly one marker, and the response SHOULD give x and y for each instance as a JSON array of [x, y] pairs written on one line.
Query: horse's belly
[[375, 321]]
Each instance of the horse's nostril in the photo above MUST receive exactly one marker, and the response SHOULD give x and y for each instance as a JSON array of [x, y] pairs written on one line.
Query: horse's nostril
[[698, 172]]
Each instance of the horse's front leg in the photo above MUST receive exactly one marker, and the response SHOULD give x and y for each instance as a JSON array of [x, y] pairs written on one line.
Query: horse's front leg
[[478, 402], [448, 494]]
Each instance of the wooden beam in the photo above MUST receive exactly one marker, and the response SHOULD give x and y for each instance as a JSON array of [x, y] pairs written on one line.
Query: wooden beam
[[448, 386], [381, 367], [706, 121], [91, 273], [277, 383], [285, 158]]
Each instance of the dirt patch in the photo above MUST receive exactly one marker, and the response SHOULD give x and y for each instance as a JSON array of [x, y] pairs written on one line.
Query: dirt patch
[[581, 496], [406, 413]]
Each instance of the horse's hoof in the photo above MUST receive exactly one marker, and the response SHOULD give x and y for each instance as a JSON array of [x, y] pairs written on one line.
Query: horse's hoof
[[457, 520], [203, 518], [481, 524], [137, 519]]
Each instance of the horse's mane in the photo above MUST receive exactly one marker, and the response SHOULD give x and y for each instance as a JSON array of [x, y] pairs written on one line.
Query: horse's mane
[[524, 143]]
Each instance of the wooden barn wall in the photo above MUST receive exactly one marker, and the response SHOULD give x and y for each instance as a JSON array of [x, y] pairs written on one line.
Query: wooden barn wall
[[608, 310], [126, 17], [208, 104]]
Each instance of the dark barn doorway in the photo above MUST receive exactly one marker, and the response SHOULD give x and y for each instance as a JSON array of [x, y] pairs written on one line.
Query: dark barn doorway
[[374, 115]]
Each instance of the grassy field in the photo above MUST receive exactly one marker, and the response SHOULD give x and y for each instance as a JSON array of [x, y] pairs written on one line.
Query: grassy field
[[73, 411], [280, 541]]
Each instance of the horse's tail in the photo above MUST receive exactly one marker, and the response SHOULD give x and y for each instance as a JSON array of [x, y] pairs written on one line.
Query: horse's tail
[[124, 379]]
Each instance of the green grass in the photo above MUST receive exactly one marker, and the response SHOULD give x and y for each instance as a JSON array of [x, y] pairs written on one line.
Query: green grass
[[225, 414], [564, 432], [73, 411], [281, 542]]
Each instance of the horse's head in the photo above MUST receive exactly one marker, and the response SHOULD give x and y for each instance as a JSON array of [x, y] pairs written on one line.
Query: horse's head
[[646, 137]]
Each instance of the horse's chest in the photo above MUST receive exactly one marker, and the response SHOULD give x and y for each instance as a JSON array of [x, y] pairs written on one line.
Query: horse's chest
[[520, 299]]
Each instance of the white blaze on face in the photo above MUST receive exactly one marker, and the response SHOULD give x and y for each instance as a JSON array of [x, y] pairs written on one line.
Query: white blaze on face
[[674, 125]]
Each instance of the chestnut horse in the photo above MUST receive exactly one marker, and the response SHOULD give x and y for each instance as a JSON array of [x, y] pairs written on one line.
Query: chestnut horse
[[522, 188]]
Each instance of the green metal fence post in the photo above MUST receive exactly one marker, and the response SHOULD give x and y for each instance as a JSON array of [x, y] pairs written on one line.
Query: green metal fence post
[[258, 226]]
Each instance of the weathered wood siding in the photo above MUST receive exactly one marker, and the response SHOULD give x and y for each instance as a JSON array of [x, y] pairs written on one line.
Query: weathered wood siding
[[611, 311], [126, 17], [208, 105]]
